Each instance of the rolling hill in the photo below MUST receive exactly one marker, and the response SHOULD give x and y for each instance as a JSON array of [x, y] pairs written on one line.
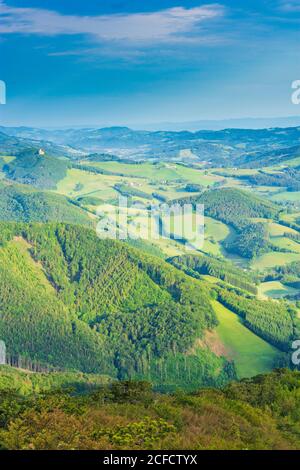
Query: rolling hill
[[227, 147], [232, 206], [238, 208], [274, 157], [39, 170], [100, 306], [12, 143]]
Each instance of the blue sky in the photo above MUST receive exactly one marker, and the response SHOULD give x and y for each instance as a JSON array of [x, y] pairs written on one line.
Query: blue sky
[[116, 62]]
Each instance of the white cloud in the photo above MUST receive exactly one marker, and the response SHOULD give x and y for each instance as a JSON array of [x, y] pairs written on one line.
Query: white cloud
[[169, 25], [290, 6]]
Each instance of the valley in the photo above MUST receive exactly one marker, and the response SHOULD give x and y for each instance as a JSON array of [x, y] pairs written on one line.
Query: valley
[[249, 258]]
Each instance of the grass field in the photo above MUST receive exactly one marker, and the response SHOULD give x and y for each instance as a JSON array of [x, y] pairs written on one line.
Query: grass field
[[160, 172], [138, 224], [293, 162], [252, 355], [168, 180], [102, 186], [7, 159], [157, 172], [287, 196], [215, 229], [197, 176], [287, 244], [274, 290], [236, 172], [272, 259], [99, 185], [214, 233], [277, 230], [291, 217]]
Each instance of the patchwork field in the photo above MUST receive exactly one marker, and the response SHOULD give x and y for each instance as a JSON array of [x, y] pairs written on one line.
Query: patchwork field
[[159, 172]]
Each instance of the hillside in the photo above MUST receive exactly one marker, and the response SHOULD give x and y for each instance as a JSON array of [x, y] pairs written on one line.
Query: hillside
[[22, 204], [259, 413], [275, 322], [216, 147], [40, 171], [288, 178], [232, 206], [197, 266], [12, 143], [265, 159], [75, 302], [238, 208]]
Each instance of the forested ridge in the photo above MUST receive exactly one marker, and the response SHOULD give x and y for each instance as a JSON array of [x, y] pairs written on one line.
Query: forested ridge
[[289, 178], [232, 206], [237, 208], [197, 265], [74, 301], [40, 171], [24, 204]]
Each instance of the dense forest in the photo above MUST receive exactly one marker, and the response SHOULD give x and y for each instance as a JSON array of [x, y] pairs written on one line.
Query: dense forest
[[288, 178], [252, 240], [71, 411], [24, 204], [276, 322], [288, 273], [74, 301], [197, 265], [232, 206]]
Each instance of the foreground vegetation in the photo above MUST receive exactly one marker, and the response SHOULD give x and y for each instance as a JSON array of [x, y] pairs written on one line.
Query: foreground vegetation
[[258, 413]]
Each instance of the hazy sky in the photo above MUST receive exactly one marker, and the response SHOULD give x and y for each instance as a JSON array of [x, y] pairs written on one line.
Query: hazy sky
[[125, 61]]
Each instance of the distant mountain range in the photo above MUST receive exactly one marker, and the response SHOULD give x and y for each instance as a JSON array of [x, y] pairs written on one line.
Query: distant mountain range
[[217, 125], [227, 147], [12, 142]]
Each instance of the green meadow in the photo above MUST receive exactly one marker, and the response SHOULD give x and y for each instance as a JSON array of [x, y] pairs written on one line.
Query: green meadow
[[273, 259], [251, 354], [275, 290]]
